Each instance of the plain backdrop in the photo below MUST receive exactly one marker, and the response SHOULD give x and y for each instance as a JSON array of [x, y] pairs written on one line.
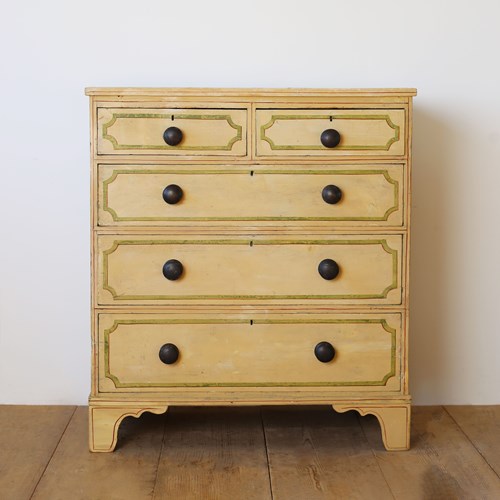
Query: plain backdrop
[[51, 50]]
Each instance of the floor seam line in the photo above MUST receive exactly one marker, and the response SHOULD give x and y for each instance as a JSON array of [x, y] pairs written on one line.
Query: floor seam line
[[267, 455], [160, 454], [470, 441], [53, 452], [375, 456]]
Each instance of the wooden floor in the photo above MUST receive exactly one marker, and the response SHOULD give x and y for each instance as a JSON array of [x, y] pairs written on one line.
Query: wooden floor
[[282, 453]]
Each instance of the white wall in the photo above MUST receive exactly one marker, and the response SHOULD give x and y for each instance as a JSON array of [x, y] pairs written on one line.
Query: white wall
[[53, 49]]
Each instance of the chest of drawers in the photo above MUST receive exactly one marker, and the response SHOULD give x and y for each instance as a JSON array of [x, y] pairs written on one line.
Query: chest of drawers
[[250, 246]]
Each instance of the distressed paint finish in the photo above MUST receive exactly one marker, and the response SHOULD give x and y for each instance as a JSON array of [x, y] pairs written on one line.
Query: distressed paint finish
[[366, 346], [250, 231], [209, 132], [291, 132], [370, 196], [246, 269]]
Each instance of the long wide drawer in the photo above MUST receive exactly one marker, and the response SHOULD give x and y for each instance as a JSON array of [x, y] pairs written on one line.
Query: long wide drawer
[[139, 194], [367, 132], [137, 269], [145, 131], [154, 351]]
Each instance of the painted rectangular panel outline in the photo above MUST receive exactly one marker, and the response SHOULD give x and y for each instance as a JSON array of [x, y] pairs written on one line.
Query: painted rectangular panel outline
[[382, 382], [117, 172], [119, 147], [383, 242], [368, 147]]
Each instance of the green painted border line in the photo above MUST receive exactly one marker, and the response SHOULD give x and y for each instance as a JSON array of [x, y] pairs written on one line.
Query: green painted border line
[[385, 118], [382, 382], [117, 172], [117, 243], [116, 146]]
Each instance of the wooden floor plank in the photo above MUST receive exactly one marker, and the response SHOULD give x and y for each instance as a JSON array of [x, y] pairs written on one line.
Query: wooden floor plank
[[315, 453], [130, 472], [481, 424], [28, 438], [220, 453], [213, 453], [442, 463]]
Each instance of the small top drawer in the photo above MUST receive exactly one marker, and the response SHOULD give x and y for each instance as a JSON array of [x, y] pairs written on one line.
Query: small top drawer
[[163, 131], [330, 132]]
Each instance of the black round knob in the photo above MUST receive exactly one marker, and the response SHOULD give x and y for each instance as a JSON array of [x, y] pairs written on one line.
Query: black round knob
[[330, 138], [172, 194], [328, 269], [172, 136], [324, 351], [169, 354], [172, 269], [331, 194]]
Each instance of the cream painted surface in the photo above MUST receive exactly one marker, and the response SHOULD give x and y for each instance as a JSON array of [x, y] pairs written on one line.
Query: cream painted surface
[[235, 274], [394, 422], [292, 132], [105, 420], [241, 353], [446, 50], [124, 131], [371, 195], [130, 269]]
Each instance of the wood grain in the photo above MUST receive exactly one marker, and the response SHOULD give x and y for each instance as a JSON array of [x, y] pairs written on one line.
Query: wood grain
[[220, 453], [442, 462], [130, 472], [213, 453], [315, 453], [28, 437], [481, 424]]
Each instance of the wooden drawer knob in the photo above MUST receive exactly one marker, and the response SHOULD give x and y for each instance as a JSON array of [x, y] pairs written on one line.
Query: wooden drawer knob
[[328, 269], [169, 354], [172, 136], [173, 269], [324, 352], [172, 194], [331, 194], [330, 138]]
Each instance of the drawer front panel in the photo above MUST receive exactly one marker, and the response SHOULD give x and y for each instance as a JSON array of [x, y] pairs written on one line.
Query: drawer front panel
[[131, 269], [139, 131], [371, 195], [237, 352], [373, 132]]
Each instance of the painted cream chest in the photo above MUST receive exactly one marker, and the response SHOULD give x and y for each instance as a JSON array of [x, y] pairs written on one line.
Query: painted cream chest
[[250, 246]]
